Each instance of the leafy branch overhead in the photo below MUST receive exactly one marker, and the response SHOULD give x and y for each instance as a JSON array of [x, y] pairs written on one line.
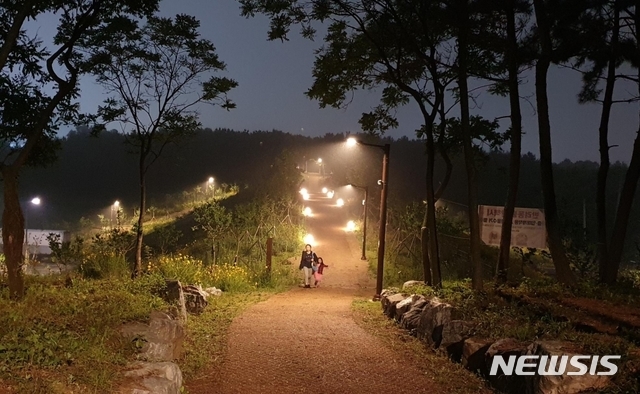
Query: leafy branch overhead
[[156, 76]]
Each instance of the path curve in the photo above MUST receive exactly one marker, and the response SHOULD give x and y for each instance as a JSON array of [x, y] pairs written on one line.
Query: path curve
[[305, 340]]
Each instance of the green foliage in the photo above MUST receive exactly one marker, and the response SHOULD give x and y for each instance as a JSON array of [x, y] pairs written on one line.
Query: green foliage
[[106, 255], [100, 266], [227, 277], [186, 269], [283, 179], [71, 331], [68, 252], [448, 224], [116, 242], [169, 237], [212, 218], [232, 278]]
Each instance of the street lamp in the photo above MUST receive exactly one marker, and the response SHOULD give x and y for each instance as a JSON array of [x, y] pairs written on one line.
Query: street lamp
[[351, 225], [308, 239], [116, 207], [364, 231], [340, 202], [210, 185], [317, 161], [33, 201], [383, 209]]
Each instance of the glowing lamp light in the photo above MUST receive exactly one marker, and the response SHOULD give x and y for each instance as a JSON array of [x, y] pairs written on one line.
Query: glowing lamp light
[[319, 160], [351, 225], [303, 191], [351, 142], [363, 201], [35, 201], [325, 190], [210, 179], [116, 204], [330, 194], [307, 211], [305, 196], [308, 239], [340, 202]]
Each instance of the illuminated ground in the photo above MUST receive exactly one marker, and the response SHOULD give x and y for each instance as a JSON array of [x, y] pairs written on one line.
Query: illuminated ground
[[305, 340]]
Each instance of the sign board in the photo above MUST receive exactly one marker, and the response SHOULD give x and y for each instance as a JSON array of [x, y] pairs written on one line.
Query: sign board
[[528, 229]]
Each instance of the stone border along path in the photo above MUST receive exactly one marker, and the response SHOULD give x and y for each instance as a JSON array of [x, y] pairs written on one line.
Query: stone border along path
[[305, 340]]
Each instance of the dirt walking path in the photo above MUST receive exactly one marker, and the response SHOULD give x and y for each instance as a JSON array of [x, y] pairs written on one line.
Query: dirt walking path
[[305, 340]]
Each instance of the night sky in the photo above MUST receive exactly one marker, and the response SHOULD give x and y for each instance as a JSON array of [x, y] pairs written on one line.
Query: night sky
[[273, 76]]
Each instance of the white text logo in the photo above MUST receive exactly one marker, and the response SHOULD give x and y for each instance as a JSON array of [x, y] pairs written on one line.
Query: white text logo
[[554, 365]]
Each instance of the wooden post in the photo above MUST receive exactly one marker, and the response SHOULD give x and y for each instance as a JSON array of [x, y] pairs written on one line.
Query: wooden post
[[269, 253]]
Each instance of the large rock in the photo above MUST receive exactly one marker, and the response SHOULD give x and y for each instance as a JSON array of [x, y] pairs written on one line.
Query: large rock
[[175, 296], [162, 338], [152, 378], [388, 292], [403, 307], [411, 319], [389, 304], [506, 347], [561, 384], [384, 297], [453, 335], [432, 320], [195, 299], [473, 351]]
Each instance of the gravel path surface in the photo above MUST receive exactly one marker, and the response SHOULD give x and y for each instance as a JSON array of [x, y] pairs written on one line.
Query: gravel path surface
[[305, 340]]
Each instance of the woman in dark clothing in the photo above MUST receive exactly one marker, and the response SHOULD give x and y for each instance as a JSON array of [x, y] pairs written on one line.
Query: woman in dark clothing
[[306, 264]]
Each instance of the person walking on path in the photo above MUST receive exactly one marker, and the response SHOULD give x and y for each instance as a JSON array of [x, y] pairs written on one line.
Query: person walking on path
[[317, 274], [306, 264]]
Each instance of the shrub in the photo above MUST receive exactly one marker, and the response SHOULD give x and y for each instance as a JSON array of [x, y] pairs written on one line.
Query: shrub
[[230, 278], [103, 266], [184, 268]]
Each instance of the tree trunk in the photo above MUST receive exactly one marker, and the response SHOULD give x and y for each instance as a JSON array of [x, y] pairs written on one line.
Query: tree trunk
[[626, 196], [433, 258], [447, 176], [424, 249], [143, 199], [469, 156], [13, 233], [622, 216], [516, 145], [603, 132], [560, 260]]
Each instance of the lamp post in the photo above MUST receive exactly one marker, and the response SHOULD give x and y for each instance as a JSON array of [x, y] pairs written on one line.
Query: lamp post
[[383, 209], [210, 186], [114, 207], [364, 231], [33, 201]]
